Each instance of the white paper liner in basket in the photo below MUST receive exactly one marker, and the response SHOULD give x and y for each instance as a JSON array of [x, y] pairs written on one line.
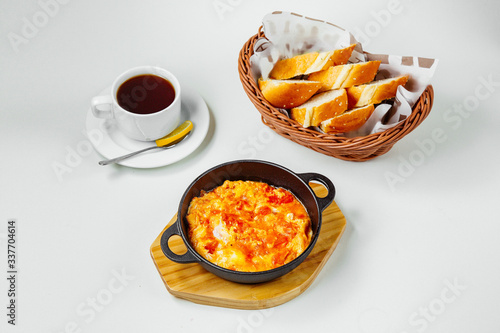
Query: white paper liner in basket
[[289, 34]]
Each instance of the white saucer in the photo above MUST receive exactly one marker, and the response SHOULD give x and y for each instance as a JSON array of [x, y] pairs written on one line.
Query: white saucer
[[110, 142]]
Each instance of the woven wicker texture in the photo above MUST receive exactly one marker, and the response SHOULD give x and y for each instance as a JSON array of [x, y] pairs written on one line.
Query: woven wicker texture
[[350, 149]]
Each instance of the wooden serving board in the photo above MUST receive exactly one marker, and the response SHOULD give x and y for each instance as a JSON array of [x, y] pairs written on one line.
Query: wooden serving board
[[192, 282]]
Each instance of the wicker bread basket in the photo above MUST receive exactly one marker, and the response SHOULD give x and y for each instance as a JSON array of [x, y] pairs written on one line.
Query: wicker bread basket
[[350, 149]]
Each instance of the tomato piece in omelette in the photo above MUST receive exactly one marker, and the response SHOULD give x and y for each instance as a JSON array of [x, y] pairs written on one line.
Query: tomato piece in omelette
[[248, 226]]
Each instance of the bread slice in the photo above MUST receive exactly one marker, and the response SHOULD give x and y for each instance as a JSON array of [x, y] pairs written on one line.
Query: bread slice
[[310, 62], [345, 76], [320, 107], [350, 120], [288, 93], [374, 92]]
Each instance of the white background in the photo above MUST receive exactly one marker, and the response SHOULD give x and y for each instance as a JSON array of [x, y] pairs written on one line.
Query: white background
[[405, 244]]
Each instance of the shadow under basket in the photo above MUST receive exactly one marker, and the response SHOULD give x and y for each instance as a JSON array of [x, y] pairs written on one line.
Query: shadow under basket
[[356, 149]]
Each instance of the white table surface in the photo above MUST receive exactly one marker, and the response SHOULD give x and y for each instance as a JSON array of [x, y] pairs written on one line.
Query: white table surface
[[419, 256]]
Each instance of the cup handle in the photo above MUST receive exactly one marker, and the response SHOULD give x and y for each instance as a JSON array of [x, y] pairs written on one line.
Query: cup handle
[[102, 107], [185, 258], [327, 200]]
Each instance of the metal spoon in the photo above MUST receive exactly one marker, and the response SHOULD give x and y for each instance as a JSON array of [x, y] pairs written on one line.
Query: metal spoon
[[121, 158]]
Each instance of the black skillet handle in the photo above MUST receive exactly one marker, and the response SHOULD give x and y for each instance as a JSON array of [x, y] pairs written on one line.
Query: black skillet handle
[[327, 200], [185, 258]]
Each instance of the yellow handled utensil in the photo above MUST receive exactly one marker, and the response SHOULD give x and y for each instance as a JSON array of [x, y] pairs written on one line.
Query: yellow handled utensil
[[168, 141]]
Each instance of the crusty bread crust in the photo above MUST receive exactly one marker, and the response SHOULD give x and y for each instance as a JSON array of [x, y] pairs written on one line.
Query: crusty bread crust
[[321, 89], [350, 120], [345, 76], [320, 107], [341, 56], [310, 62], [288, 93], [375, 92]]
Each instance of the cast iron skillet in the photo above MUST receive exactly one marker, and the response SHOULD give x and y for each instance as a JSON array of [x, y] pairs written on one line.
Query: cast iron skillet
[[270, 173]]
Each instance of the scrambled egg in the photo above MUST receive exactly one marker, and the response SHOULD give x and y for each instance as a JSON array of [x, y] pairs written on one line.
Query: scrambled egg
[[248, 226]]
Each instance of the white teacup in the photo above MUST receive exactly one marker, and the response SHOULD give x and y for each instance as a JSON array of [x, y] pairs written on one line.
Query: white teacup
[[142, 103]]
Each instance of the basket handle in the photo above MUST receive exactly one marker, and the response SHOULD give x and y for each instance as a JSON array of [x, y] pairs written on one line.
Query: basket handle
[[185, 258], [327, 200]]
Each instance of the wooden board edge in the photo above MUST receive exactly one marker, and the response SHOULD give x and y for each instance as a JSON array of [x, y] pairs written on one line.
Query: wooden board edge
[[156, 243], [248, 304]]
